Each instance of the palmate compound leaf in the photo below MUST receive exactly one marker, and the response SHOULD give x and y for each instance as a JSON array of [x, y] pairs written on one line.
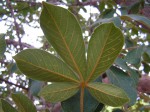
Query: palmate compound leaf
[[59, 91], [7, 107], [108, 94], [23, 103], [104, 46], [62, 30], [41, 65]]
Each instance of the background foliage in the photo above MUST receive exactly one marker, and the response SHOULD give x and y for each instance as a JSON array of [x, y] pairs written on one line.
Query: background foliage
[[131, 16]]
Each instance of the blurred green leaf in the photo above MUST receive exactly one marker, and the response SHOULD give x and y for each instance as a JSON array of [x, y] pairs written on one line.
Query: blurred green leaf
[[134, 56], [117, 110], [134, 8], [137, 18], [124, 81], [108, 13], [102, 6], [99, 107], [23, 103], [128, 43], [134, 75], [11, 68], [123, 10], [147, 50], [146, 57], [115, 20], [2, 45], [35, 87], [122, 63], [146, 67], [1, 110], [7, 107]]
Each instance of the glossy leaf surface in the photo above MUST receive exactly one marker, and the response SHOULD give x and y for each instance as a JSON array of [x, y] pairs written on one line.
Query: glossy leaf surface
[[104, 46], [41, 65], [108, 94], [7, 107], [23, 103], [63, 31], [59, 91]]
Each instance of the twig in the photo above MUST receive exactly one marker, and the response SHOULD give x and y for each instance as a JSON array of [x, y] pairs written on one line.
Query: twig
[[91, 2], [30, 3], [15, 43], [131, 48], [77, 3], [15, 22], [10, 83]]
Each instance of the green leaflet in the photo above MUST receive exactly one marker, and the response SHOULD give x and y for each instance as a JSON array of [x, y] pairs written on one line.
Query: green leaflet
[[108, 94], [104, 46], [7, 107], [56, 92], [23, 103], [63, 31], [2, 45], [41, 65]]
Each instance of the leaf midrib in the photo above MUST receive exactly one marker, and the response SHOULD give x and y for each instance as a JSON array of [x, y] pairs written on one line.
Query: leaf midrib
[[104, 92], [77, 68], [49, 71], [91, 74]]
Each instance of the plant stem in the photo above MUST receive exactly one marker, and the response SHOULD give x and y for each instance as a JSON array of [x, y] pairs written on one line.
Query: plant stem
[[82, 99]]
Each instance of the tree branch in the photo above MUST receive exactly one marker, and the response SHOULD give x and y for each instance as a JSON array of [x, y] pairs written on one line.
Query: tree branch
[[77, 3], [30, 3], [15, 43], [15, 22], [10, 83]]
